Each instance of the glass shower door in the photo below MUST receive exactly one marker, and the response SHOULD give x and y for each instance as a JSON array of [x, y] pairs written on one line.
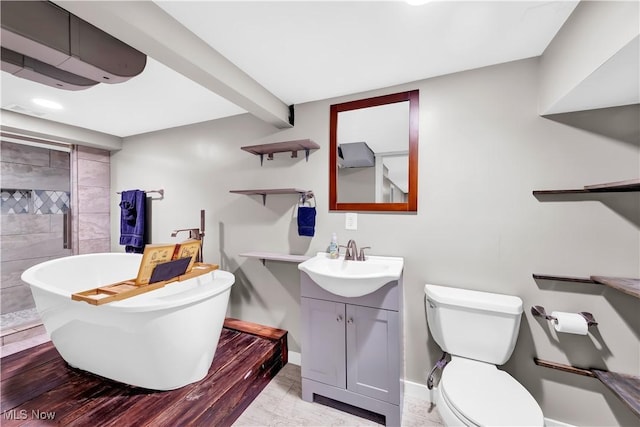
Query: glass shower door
[[35, 212]]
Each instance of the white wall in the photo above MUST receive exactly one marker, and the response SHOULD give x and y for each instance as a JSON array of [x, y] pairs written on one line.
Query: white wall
[[483, 149], [596, 45]]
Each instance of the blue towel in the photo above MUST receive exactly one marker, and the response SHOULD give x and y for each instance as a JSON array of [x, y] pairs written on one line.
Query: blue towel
[[132, 220], [306, 221]]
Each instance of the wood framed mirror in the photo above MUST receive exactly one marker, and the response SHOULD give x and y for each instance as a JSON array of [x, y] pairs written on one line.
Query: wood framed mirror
[[373, 154]]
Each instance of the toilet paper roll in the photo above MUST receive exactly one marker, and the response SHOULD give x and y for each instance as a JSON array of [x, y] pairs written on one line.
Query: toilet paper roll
[[570, 323]]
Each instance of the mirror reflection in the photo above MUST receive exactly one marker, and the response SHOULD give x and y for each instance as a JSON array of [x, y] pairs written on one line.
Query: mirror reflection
[[374, 153]]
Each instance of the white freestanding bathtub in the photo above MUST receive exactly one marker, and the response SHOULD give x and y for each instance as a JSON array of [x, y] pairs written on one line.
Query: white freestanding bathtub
[[161, 340]]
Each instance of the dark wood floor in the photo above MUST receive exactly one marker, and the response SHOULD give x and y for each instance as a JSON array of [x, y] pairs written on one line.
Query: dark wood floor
[[39, 388]]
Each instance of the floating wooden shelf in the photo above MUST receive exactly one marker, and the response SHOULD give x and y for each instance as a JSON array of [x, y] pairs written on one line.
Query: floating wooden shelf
[[273, 256], [282, 147], [622, 284], [626, 285], [264, 193], [625, 387], [611, 187], [564, 278]]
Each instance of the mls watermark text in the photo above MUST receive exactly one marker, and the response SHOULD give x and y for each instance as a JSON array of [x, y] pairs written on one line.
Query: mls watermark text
[[23, 414]]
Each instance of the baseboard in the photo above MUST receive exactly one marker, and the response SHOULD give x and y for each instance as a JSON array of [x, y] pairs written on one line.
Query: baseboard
[[548, 422], [294, 358], [420, 391]]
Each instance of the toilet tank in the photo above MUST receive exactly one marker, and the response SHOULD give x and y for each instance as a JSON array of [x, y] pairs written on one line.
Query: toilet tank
[[472, 324]]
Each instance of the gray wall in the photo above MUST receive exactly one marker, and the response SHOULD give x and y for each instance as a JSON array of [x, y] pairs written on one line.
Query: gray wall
[[483, 149], [356, 185], [588, 43]]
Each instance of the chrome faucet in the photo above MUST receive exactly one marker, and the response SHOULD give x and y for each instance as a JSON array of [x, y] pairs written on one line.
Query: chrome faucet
[[351, 252], [194, 233]]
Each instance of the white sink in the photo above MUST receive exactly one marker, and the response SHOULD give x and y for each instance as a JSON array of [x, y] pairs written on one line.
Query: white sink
[[352, 278]]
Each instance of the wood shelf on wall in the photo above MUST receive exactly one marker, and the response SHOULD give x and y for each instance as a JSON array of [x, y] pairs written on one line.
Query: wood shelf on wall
[[274, 256], [625, 387], [623, 284], [305, 145], [265, 192], [611, 187]]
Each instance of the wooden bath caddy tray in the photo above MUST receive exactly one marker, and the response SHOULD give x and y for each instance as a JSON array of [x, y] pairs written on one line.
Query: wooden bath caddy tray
[[128, 288], [161, 264]]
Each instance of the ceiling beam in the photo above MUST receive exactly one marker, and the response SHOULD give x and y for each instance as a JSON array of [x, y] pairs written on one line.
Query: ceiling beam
[[148, 28], [35, 127]]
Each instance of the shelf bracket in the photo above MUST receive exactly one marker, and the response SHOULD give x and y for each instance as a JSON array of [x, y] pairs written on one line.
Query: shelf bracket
[[306, 154], [294, 154], [264, 199], [261, 159]]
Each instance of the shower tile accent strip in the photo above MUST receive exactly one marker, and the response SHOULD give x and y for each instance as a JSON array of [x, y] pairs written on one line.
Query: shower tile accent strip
[[247, 357], [51, 202], [15, 201], [44, 201]]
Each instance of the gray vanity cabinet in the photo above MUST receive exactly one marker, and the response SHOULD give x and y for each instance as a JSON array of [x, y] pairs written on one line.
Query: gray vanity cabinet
[[373, 346], [323, 342], [351, 348]]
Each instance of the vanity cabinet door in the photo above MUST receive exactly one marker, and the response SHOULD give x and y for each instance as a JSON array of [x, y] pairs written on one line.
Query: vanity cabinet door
[[373, 353], [323, 341]]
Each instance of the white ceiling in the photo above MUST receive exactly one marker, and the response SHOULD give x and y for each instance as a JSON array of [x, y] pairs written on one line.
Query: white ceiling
[[305, 51]]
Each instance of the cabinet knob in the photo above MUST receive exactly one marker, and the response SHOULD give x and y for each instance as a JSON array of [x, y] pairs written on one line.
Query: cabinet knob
[[339, 318], [350, 320]]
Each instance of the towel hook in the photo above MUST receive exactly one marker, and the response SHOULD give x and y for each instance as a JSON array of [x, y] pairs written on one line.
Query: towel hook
[[306, 196]]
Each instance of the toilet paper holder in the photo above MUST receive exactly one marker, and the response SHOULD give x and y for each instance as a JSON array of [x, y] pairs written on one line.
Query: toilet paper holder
[[538, 310]]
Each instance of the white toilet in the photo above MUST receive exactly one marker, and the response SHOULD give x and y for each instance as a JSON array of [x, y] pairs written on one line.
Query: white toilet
[[479, 330]]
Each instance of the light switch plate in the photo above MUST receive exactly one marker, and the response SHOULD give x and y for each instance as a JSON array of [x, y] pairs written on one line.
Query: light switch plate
[[351, 221]]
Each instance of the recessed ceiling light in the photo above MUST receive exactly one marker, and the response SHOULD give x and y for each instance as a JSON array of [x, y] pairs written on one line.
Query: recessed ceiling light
[[47, 104]]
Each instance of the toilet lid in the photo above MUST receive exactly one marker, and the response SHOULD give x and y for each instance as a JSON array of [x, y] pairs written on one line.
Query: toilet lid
[[487, 396]]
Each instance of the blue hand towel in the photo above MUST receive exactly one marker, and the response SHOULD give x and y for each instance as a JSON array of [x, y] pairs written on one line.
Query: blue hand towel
[[306, 220], [132, 220]]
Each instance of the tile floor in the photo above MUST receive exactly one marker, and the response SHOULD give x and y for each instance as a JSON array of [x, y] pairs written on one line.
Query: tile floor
[[19, 326], [17, 319], [281, 404], [23, 344]]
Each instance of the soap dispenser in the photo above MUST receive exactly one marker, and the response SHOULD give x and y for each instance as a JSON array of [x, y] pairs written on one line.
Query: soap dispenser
[[333, 247]]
